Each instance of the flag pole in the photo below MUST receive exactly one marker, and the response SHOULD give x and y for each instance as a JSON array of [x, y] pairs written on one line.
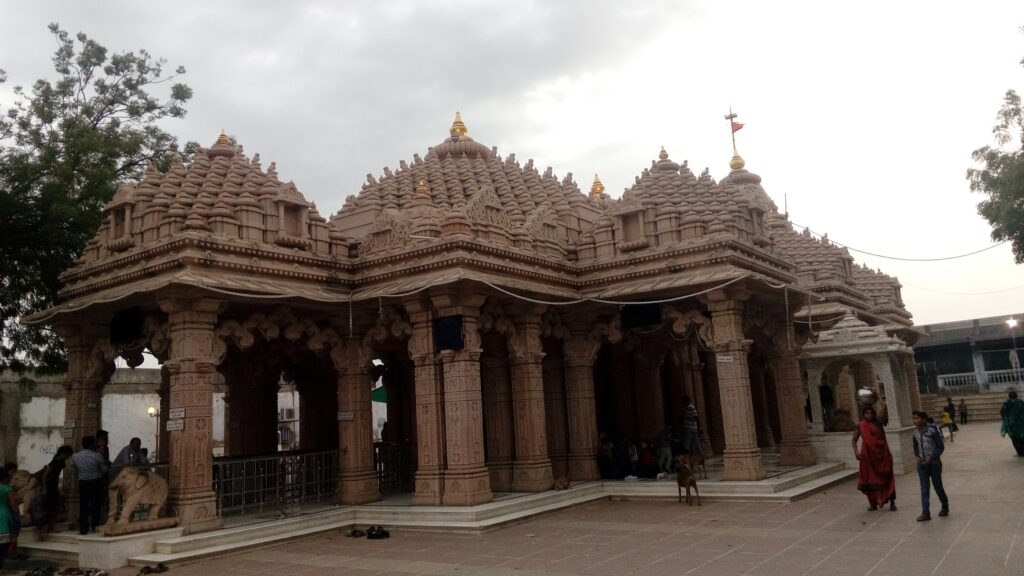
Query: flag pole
[[731, 117]]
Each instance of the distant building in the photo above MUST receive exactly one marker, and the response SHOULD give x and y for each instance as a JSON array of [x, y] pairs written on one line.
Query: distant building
[[969, 355]]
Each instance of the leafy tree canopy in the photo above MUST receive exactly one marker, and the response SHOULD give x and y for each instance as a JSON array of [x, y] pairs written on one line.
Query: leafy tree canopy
[[64, 145], [1000, 175]]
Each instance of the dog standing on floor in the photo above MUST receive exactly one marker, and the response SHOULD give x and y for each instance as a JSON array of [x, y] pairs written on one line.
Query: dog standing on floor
[[686, 479], [698, 464]]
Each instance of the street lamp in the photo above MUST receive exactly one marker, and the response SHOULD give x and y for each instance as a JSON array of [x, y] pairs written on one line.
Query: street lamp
[[154, 412], [1014, 359]]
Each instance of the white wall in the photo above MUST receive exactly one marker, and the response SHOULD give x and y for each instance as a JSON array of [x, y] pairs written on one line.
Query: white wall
[[42, 421], [125, 416]]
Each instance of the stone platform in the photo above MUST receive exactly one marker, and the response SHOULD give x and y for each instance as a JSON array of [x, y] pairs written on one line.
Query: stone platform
[[171, 546]]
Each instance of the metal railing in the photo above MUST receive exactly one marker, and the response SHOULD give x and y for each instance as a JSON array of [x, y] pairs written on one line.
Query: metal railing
[[393, 463], [280, 482]]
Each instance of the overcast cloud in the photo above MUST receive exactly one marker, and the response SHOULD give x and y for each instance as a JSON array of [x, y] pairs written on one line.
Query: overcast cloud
[[861, 116]]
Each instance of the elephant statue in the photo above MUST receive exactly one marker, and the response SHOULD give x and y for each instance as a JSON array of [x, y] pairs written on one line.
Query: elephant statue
[[136, 487], [26, 488]]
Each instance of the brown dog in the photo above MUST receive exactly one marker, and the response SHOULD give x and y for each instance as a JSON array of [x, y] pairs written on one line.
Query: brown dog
[[698, 464], [686, 479], [562, 483]]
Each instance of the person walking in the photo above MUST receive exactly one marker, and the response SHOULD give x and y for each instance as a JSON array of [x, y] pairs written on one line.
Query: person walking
[[928, 448], [8, 511], [951, 408], [1012, 413], [963, 412], [92, 472], [875, 478]]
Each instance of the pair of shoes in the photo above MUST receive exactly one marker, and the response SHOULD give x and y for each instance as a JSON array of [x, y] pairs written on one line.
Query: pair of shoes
[[161, 567], [924, 517], [355, 533], [377, 533], [944, 512]]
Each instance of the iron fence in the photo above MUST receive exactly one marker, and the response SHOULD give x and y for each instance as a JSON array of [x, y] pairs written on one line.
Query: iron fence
[[392, 462], [280, 482]]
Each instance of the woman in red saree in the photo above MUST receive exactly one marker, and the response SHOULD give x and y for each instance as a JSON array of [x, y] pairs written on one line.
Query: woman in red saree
[[876, 479]]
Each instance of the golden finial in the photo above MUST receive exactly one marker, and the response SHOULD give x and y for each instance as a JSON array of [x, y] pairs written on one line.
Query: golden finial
[[458, 129], [663, 155], [421, 188], [597, 188], [223, 139], [737, 162]]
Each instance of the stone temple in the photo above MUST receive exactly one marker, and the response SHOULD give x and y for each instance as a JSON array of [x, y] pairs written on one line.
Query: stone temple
[[513, 318]]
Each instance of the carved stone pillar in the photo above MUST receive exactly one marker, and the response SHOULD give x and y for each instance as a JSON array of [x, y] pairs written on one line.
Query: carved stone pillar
[[496, 387], [357, 478], [429, 397], [845, 398], [759, 396], [466, 480], [742, 457], [794, 446], [694, 372], [814, 371], [913, 386], [580, 353], [191, 363], [531, 471], [84, 381], [650, 405], [554, 410], [163, 450], [84, 387]]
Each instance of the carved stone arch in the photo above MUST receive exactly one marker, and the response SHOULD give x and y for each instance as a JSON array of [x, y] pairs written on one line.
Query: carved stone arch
[[551, 325], [494, 319], [682, 323], [280, 323]]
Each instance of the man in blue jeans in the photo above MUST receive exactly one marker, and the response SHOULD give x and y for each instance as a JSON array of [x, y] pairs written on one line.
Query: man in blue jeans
[[928, 447]]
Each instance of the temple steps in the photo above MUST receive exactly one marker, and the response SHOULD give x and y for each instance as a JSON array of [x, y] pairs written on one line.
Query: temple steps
[[59, 547], [982, 407]]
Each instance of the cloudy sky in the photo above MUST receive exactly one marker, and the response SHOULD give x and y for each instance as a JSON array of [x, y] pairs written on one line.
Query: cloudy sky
[[860, 117]]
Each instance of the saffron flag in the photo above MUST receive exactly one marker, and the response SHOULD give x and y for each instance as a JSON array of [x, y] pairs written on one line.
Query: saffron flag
[[736, 126]]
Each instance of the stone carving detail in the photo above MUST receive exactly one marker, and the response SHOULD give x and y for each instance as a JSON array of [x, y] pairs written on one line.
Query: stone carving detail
[[493, 319], [136, 487], [551, 325], [390, 230], [544, 225], [485, 208], [682, 322]]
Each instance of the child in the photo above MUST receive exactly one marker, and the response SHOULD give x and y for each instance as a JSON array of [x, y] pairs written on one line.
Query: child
[[947, 422]]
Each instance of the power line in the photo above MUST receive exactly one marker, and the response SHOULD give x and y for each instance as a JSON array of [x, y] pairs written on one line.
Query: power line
[[808, 228]]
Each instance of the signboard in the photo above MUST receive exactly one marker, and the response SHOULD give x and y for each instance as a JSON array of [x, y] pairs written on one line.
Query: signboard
[[346, 416], [69, 423], [175, 425], [175, 413], [725, 358], [68, 432]]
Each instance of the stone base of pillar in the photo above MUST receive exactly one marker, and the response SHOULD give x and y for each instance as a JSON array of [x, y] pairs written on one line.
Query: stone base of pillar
[[583, 468], [467, 487], [797, 453], [427, 489], [743, 464], [532, 476], [501, 476], [196, 512], [560, 465], [358, 488]]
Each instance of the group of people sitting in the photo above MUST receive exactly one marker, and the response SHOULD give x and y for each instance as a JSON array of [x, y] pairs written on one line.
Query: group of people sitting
[[624, 458]]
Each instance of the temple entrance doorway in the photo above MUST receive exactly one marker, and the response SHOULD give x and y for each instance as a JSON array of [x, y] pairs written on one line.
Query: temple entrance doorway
[[393, 398]]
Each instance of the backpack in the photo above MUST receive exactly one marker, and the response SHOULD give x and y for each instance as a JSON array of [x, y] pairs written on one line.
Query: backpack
[[940, 444]]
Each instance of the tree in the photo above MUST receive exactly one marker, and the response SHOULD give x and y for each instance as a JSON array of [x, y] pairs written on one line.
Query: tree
[[1001, 175], [63, 147]]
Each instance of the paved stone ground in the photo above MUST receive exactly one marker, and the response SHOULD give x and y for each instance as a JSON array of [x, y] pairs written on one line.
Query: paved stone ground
[[831, 533]]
